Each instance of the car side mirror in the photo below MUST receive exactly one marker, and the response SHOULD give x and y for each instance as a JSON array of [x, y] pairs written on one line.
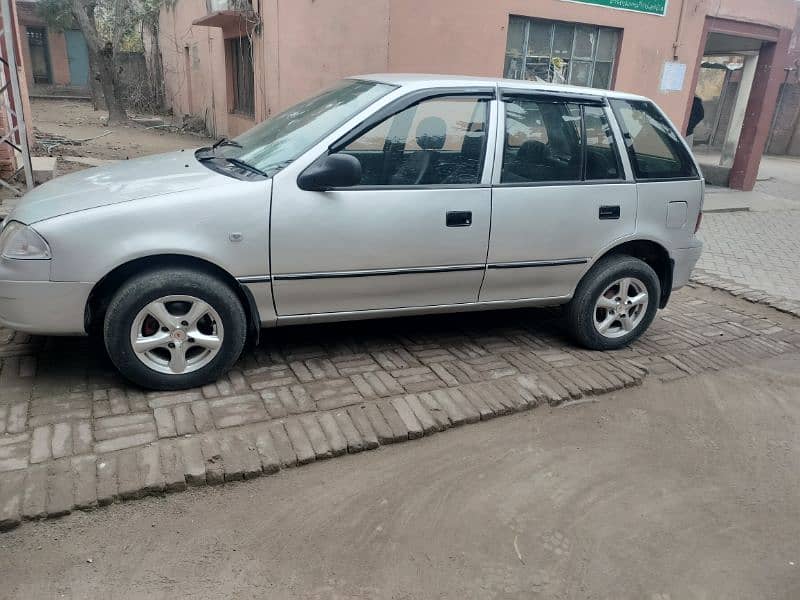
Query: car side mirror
[[332, 171]]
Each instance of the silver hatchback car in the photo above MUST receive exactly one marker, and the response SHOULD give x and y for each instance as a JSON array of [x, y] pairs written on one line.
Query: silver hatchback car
[[385, 195]]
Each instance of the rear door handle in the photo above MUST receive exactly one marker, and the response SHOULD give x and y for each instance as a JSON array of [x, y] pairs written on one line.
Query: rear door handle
[[609, 212], [459, 218]]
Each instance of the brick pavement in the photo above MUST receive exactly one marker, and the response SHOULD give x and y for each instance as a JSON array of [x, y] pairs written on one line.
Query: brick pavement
[[73, 435], [755, 250]]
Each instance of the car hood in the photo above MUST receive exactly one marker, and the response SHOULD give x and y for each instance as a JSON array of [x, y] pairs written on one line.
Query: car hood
[[121, 182]]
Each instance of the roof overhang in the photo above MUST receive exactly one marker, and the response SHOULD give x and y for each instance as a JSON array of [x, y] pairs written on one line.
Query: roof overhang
[[228, 19]]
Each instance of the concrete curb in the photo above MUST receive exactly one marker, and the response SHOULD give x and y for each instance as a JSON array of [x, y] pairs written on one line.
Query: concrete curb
[[87, 481], [785, 305], [723, 210]]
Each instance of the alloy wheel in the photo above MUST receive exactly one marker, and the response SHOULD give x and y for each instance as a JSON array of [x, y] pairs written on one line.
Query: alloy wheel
[[176, 335], [621, 307]]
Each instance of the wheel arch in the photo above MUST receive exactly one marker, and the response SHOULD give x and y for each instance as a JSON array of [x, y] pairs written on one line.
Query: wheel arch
[[103, 290], [652, 253]]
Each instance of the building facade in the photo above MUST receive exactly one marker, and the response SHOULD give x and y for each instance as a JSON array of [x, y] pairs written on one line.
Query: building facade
[[236, 62], [52, 58], [785, 134]]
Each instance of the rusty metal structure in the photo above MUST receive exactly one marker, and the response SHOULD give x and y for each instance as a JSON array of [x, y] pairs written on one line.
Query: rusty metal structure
[[13, 131]]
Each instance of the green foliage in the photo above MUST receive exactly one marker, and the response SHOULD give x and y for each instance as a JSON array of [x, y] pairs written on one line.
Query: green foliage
[[151, 8], [126, 26], [131, 42], [56, 13]]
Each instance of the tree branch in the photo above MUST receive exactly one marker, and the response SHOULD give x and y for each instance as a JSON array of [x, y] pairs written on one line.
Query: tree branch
[[84, 11], [118, 27]]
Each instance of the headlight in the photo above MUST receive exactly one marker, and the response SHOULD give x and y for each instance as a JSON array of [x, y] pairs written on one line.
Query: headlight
[[18, 241]]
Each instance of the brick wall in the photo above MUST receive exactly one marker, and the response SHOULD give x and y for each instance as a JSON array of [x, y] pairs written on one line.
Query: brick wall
[[785, 137]]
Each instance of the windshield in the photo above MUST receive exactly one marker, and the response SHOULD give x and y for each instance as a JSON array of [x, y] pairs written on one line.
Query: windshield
[[278, 141]]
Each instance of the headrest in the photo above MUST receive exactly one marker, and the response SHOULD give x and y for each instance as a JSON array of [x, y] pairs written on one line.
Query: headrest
[[431, 133]]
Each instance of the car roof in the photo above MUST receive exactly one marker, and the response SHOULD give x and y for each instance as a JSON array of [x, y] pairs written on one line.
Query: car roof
[[424, 81]]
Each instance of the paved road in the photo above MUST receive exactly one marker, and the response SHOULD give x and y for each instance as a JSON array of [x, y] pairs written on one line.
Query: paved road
[[779, 177], [759, 250], [683, 490], [73, 435]]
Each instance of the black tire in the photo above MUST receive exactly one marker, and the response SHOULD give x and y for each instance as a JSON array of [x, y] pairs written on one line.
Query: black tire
[[149, 286], [580, 311]]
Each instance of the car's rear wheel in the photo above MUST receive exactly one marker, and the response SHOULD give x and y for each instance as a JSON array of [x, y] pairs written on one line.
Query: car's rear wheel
[[614, 304], [174, 329]]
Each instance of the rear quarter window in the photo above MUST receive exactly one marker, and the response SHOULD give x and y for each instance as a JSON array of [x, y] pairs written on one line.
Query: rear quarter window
[[655, 148]]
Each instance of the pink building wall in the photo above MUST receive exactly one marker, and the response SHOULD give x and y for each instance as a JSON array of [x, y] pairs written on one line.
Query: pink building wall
[[300, 50], [305, 45], [196, 86], [316, 43], [59, 63], [436, 43]]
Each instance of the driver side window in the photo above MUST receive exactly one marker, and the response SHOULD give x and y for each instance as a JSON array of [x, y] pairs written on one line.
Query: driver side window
[[441, 141]]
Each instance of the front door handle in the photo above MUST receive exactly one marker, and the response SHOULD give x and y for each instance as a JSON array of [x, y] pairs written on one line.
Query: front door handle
[[609, 212], [459, 218]]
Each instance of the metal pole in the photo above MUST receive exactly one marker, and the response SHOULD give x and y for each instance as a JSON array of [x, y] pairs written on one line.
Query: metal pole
[[9, 37]]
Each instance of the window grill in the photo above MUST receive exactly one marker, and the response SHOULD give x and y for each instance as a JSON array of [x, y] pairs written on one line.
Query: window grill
[[552, 51]]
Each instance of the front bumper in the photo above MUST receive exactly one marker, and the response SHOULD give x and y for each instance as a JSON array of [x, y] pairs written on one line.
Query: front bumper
[[44, 307], [685, 261]]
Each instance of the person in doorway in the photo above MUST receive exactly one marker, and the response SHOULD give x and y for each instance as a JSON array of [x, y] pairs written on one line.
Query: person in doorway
[[695, 117]]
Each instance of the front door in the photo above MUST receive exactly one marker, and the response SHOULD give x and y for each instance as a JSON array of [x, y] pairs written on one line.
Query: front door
[[560, 196], [413, 233], [78, 57]]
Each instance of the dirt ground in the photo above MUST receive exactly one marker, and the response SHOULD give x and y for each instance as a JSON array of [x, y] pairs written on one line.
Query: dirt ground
[[76, 120], [687, 490]]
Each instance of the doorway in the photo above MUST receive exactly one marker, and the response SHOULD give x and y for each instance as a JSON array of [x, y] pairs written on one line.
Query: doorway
[[735, 82], [40, 55], [78, 57]]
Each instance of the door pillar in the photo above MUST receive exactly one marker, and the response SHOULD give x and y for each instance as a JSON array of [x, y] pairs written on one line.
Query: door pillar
[[739, 112], [760, 109]]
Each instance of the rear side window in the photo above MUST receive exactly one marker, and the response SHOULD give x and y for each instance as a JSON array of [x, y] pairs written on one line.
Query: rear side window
[[557, 141], [654, 147], [543, 141]]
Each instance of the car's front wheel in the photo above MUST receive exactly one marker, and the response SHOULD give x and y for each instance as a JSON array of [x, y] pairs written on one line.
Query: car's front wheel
[[614, 304], [174, 329]]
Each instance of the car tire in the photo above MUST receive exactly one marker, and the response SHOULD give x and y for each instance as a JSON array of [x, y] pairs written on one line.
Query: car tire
[[172, 329], [614, 303]]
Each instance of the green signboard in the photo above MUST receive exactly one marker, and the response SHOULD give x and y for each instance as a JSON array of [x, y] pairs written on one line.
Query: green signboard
[[653, 7]]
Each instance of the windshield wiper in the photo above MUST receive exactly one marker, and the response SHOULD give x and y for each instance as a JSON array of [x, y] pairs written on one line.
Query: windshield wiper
[[223, 141], [246, 166], [233, 161]]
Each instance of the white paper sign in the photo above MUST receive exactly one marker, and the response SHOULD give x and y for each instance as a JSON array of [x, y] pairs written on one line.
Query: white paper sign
[[673, 76]]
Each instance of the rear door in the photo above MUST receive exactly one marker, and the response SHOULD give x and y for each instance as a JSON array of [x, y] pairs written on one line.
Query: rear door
[[560, 195]]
